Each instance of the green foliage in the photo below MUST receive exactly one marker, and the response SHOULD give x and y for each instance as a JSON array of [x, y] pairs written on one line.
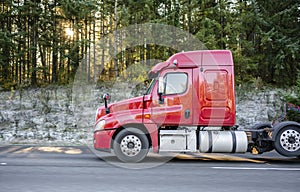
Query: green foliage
[[137, 72], [293, 106], [293, 113], [8, 85], [263, 36], [297, 87], [280, 39], [78, 9]]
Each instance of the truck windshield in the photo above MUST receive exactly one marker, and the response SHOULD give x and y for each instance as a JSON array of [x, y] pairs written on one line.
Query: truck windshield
[[151, 86]]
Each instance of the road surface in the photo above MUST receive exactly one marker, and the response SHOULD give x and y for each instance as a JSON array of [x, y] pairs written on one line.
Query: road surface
[[46, 168]]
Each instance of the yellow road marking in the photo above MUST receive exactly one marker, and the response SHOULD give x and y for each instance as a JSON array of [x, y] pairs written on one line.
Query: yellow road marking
[[73, 151], [215, 156], [10, 149], [50, 149], [26, 150], [223, 157], [185, 156], [66, 150]]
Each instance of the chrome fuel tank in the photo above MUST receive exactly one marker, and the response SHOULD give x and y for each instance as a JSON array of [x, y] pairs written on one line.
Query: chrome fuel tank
[[223, 142]]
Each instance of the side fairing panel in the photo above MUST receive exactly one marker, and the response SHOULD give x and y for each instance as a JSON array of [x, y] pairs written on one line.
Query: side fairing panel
[[216, 104]]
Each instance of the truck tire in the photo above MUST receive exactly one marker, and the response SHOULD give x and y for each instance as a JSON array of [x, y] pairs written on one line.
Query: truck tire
[[287, 141], [131, 145]]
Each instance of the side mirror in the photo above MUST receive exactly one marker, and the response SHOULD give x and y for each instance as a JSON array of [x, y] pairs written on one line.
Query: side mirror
[[106, 97], [161, 90], [161, 86]]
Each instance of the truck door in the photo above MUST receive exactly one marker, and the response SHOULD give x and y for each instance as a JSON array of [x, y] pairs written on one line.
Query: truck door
[[174, 105], [216, 97]]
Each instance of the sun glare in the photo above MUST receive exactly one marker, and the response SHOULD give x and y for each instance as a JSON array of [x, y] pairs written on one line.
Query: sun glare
[[69, 32]]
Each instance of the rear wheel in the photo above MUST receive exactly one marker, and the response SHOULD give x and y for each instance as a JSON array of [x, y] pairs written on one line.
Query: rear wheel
[[287, 141], [131, 145]]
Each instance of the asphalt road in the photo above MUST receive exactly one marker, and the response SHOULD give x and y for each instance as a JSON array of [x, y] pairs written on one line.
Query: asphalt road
[[44, 168]]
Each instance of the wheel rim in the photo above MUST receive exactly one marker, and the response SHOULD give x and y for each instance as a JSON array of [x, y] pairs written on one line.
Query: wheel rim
[[290, 140], [131, 145]]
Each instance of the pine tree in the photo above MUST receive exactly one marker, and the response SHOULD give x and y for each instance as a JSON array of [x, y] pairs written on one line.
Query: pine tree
[[280, 41]]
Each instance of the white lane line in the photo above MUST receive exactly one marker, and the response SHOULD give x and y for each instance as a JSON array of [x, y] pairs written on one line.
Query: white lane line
[[3, 163], [257, 168]]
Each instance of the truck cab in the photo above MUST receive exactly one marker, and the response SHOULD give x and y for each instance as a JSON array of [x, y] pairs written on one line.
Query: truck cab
[[194, 88], [188, 107]]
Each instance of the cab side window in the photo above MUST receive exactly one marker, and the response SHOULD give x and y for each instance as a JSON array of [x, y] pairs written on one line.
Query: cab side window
[[175, 83]]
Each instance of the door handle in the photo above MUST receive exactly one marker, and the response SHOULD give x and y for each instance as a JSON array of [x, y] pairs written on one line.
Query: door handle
[[187, 113]]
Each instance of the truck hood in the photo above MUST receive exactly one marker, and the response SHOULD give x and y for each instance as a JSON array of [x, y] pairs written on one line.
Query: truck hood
[[129, 104], [124, 106]]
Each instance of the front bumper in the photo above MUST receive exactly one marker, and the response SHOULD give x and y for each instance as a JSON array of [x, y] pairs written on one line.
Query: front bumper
[[102, 139]]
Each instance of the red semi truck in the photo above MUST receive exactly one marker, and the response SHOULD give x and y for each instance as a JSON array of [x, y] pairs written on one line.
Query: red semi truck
[[188, 107]]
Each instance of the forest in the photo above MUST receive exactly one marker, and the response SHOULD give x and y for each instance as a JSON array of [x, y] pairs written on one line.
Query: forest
[[43, 42]]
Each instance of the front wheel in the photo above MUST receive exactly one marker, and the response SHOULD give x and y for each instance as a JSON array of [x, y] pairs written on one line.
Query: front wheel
[[131, 145], [287, 141]]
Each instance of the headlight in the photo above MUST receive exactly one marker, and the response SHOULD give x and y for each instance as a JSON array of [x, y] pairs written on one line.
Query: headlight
[[100, 125]]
